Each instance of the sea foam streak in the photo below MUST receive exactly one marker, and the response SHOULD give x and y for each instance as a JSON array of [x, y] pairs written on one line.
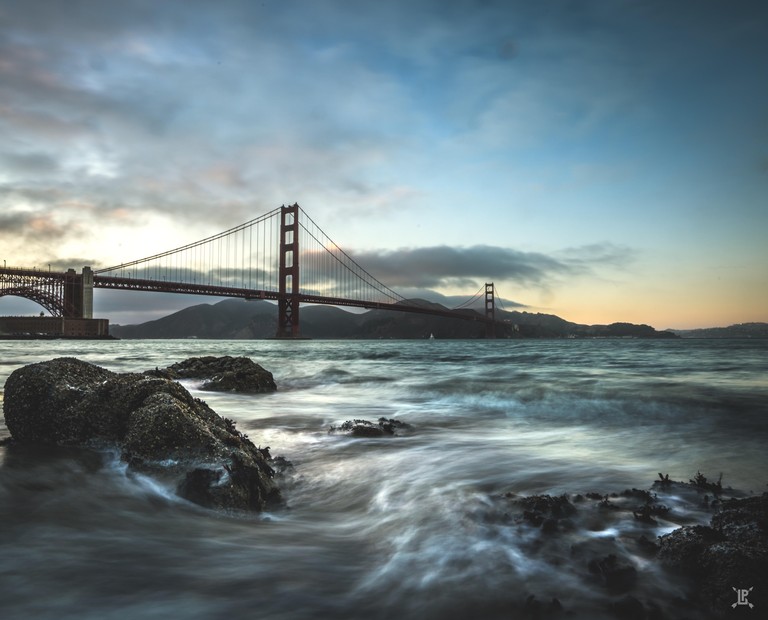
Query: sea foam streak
[[411, 526]]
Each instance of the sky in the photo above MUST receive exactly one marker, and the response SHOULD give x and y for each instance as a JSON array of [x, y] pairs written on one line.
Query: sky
[[602, 160]]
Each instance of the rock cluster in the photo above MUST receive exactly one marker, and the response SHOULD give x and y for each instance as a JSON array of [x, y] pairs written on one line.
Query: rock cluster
[[154, 422], [547, 512], [365, 428], [731, 552], [711, 562], [221, 374]]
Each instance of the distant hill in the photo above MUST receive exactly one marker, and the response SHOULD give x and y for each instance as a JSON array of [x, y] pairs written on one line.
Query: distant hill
[[228, 319], [740, 330], [240, 319]]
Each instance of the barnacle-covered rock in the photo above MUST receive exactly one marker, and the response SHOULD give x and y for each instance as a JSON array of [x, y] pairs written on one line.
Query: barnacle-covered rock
[[155, 423], [732, 552], [221, 374], [364, 428]]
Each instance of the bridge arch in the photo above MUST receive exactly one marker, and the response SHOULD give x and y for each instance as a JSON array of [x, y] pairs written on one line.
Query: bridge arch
[[44, 298], [54, 291]]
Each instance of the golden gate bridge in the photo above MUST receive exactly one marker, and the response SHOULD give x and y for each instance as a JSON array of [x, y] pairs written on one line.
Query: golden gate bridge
[[282, 256]]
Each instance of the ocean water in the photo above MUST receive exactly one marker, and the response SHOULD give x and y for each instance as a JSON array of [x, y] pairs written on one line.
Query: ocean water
[[413, 526]]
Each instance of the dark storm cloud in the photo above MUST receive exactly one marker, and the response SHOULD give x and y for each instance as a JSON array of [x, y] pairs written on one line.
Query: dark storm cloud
[[439, 266], [34, 226], [443, 265], [13, 223]]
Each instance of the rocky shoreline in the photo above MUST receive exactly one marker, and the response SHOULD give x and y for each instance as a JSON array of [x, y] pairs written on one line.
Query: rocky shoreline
[[709, 562], [153, 422], [158, 428]]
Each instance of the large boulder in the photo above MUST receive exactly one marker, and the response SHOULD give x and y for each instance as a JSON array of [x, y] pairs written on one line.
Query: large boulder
[[221, 374], [154, 422]]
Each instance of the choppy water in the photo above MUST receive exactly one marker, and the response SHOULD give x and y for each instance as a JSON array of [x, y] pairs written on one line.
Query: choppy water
[[403, 527]]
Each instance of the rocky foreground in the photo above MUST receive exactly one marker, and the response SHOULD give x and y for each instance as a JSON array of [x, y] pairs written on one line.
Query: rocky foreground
[[709, 563], [731, 553], [154, 423], [160, 429]]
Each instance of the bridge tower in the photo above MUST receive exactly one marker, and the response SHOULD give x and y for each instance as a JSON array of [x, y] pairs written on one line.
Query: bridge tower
[[78, 294], [288, 300], [490, 311]]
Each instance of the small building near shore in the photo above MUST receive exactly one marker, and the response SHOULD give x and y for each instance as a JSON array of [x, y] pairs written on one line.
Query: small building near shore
[[52, 327]]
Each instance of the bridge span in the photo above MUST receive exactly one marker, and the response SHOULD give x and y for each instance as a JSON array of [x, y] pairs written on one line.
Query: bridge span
[[282, 256]]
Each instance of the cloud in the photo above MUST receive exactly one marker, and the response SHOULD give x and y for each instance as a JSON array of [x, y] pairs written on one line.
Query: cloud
[[29, 163], [198, 109], [456, 301], [444, 266], [207, 114], [594, 255], [158, 121], [40, 227]]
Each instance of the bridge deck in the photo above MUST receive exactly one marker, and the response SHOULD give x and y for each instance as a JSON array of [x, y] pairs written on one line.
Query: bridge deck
[[162, 286]]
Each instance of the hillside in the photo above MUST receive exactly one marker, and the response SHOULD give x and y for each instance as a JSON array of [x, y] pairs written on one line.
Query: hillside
[[240, 319], [740, 330]]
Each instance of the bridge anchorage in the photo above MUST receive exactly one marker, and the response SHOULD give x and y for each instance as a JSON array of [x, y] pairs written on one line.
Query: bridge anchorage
[[281, 256], [68, 297]]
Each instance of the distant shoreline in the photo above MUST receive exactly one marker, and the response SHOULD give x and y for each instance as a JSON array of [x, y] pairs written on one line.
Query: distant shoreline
[[53, 337]]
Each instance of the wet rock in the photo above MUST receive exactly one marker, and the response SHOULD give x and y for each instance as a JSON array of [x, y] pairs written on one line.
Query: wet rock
[[663, 482], [155, 424], [237, 485], [698, 483], [547, 512], [615, 575], [281, 465], [647, 546], [364, 428], [646, 513], [727, 565], [164, 427], [61, 384], [730, 553], [628, 608], [222, 374], [643, 494], [682, 549], [744, 520], [536, 609]]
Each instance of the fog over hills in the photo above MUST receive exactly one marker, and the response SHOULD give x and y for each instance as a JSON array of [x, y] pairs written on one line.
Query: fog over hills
[[240, 319]]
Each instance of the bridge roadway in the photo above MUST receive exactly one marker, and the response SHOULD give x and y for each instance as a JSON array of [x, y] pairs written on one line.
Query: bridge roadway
[[162, 286], [70, 295]]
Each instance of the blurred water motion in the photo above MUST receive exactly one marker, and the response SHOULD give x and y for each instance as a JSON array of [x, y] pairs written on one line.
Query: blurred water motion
[[413, 526]]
